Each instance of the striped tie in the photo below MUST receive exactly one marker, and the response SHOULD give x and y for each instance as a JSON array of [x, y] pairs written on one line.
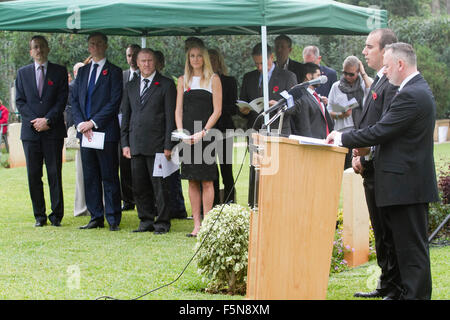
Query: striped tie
[[144, 91]]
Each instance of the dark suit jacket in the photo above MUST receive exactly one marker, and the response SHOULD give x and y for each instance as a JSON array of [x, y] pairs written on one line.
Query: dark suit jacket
[[331, 74], [147, 128], [105, 103], [372, 109], [280, 80], [229, 108], [307, 119], [298, 69], [50, 106], [404, 163]]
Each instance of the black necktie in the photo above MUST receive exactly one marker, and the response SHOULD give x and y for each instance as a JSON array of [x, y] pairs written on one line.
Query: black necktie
[[135, 75], [374, 83], [144, 90]]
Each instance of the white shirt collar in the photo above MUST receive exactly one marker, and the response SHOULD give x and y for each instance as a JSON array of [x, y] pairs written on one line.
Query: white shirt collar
[[406, 80], [150, 77], [380, 72], [37, 65], [100, 63]]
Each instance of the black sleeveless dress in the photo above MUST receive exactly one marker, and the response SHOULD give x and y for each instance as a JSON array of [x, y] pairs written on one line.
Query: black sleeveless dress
[[198, 161]]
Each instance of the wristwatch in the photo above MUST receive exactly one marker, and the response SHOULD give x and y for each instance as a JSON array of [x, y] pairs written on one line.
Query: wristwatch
[[48, 122]]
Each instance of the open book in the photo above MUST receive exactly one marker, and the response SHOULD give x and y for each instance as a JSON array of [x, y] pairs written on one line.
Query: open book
[[256, 104], [342, 104]]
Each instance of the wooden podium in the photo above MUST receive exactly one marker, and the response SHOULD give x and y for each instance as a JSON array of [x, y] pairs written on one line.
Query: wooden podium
[[292, 230]]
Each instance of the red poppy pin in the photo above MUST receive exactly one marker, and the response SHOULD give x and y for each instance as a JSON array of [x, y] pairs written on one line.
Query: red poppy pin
[[374, 95], [156, 83], [105, 72], [50, 82], [188, 89], [275, 89]]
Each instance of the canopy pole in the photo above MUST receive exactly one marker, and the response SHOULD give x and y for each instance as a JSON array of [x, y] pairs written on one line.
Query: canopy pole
[[143, 42], [265, 73]]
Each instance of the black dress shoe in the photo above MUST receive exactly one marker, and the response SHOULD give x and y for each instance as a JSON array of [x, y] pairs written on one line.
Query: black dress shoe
[[157, 232], [127, 206], [56, 223], [93, 224], [40, 223], [374, 294], [114, 227], [149, 229]]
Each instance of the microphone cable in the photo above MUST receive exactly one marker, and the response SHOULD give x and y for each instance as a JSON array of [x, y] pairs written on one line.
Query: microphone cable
[[200, 246]]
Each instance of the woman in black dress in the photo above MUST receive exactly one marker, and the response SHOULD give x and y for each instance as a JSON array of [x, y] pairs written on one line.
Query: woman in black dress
[[199, 105]]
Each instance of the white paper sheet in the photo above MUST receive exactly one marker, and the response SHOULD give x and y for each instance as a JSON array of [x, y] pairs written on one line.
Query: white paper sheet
[[163, 167], [97, 141]]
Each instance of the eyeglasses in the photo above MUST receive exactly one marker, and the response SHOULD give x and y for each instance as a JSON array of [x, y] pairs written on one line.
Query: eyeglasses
[[350, 74]]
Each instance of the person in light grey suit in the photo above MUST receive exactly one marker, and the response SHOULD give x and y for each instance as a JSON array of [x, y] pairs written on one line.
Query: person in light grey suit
[[148, 107]]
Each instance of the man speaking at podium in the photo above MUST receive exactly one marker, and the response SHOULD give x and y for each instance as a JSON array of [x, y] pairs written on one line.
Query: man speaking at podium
[[405, 177]]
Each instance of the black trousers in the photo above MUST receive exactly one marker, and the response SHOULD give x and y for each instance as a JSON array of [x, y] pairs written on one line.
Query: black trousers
[[126, 183], [36, 153], [407, 227], [225, 154], [389, 283], [101, 183], [151, 194]]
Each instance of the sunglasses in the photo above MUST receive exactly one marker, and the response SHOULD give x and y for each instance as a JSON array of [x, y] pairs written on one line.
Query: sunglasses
[[350, 74]]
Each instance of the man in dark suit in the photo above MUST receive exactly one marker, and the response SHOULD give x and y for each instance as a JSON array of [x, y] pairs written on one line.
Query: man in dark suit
[[252, 88], [41, 97], [126, 183], [309, 117], [312, 54], [96, 100], [405, 176], [283, 48], [379, 98], [148, 107]]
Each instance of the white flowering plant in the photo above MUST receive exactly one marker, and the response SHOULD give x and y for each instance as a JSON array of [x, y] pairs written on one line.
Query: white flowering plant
[[222, 245]]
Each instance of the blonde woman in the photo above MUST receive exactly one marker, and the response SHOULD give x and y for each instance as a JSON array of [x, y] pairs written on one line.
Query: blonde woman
[[199, 106]]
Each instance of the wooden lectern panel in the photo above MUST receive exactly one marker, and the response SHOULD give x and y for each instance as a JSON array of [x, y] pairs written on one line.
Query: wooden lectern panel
[[290, 249]]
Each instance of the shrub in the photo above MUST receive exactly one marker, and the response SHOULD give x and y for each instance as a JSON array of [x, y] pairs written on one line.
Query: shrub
[[223, 249], [439, 210]]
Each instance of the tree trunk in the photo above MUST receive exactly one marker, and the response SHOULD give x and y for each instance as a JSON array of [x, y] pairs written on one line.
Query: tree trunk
[[435, 7]]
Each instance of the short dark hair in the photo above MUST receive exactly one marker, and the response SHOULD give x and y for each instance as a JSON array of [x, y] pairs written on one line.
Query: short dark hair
[[285, 38], [387, 36], [134, 47], [98, 34], [310, 67], [257, 50], [39, 37]]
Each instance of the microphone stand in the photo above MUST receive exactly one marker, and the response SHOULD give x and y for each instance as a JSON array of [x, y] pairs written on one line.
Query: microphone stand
[[259, 150], [279, 114]]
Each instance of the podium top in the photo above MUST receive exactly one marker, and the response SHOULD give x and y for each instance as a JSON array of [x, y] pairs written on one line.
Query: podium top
[[284, 140]]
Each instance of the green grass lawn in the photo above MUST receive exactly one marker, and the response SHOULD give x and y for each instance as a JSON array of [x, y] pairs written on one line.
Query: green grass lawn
[[68, 263]]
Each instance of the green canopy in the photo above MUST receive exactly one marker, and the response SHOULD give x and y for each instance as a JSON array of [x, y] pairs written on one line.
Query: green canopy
[[194, 17]]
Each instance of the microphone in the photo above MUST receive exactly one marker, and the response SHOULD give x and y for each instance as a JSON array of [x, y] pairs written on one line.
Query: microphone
[[319, 80]]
